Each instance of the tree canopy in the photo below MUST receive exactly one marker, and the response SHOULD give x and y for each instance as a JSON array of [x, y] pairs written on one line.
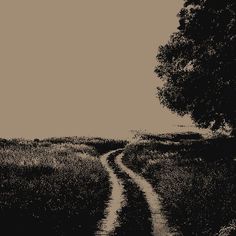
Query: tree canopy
[[198, 64]]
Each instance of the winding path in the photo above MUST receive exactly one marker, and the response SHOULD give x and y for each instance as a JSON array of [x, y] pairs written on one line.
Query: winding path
[[159, 223], [116, 201]]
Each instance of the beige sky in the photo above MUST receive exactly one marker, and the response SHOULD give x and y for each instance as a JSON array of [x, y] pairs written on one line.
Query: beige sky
[[83, 67]]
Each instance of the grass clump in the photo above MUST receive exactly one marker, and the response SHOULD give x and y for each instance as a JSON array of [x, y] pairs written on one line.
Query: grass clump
[[229, 230]]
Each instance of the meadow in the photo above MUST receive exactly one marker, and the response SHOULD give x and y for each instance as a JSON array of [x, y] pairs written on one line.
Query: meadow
[[53, 186], [58, 186], [195, 177]]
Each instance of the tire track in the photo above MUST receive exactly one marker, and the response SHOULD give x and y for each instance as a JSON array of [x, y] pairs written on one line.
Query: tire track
[[159, 223], [135, 217], [108, 225]]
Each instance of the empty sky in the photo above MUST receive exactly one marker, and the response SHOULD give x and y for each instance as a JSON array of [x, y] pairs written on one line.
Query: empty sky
[[83, 67]]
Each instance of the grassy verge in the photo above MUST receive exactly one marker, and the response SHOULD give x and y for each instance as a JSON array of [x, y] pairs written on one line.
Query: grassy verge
[[135, 217], [195, 178], [51, 188]]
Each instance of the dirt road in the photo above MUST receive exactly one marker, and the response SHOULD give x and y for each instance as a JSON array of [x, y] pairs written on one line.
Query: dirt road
[[116, 201], [121, 177]]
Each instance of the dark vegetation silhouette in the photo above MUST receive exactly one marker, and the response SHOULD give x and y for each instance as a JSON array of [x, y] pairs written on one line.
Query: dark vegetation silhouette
[[54, 186], [198, 64], [195, 178]]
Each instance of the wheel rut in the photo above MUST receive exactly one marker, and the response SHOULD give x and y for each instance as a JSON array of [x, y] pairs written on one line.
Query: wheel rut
[[159, 223], [134, 207], [116, 201]]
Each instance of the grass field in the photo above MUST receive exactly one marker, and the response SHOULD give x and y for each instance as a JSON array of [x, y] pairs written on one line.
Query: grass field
[[58, 186], [53, 187], [195, 177]]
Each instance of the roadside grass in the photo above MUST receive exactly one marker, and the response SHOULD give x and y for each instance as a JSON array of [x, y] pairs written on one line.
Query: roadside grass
[[195, 178], [101, 145], [52, 188]]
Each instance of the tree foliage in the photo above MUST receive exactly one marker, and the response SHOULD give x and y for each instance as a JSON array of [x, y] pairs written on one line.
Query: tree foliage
[[198, 64]]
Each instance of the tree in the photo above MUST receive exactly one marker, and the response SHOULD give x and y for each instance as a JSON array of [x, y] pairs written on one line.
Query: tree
[[198, 64]]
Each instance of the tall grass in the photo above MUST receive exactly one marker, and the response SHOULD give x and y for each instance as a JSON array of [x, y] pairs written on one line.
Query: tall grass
[[100, 144], [196, 180], [50, 189]]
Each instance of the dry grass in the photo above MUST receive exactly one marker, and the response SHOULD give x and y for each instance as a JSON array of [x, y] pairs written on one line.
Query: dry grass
[[51, 188], [196, 180]]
